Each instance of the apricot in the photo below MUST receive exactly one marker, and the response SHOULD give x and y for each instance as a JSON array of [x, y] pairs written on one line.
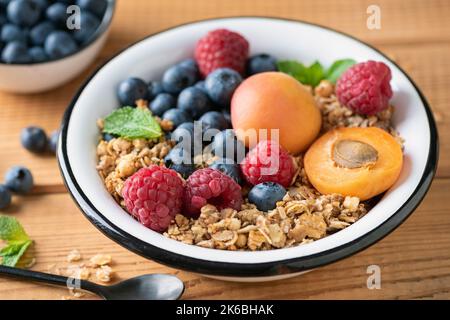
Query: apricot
[[359, 162], [275, 100]]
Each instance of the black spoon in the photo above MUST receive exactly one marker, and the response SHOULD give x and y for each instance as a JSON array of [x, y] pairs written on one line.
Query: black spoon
[[146, 287]]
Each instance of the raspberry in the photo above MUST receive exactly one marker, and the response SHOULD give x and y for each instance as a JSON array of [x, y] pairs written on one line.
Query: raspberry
[[154, 196], [213, 187], [221, 48], [365, 87], [268, 162]]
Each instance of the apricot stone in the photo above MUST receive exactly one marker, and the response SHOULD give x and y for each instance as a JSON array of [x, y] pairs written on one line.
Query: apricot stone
[[360, 162], [275, 100]]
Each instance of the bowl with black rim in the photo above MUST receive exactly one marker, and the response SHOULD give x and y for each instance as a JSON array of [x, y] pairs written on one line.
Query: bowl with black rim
[[34, 77], [148, 58]]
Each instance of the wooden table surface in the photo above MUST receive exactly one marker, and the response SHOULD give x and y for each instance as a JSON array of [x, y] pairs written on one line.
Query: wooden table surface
[[414, 260]]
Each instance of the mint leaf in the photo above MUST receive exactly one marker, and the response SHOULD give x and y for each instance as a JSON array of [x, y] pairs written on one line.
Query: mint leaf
[[338, 68], [132, 123], [17, 241], [307, 75]]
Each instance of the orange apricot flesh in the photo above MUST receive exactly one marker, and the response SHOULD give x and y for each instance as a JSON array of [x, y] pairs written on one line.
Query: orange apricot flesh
[[359, 162], [275, 100]]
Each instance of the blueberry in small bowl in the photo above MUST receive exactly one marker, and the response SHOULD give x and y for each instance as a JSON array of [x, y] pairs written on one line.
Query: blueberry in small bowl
[[50, 40]]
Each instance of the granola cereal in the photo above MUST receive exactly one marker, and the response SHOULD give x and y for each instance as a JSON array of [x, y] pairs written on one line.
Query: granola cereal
[[304, 215]]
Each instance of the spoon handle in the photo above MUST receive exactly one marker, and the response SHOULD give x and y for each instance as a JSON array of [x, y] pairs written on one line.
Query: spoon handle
[[49, 279]]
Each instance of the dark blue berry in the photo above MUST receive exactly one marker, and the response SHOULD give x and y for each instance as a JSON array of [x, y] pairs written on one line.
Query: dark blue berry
[[11, 32], [98, 7], [34, 139], [177, 77], [53, 141], [57, 13], [131, 90], [229, 167], [178, 155], [108, 137], [226, 145], [42, 4], [185, 170], [37, 54], [89, 23], [162, 103], [201, 85], [60, 44], [5, 197], [261, 63], [194, 101], [154, 88], [23, 12], [221, 84], [40, 32], [16, 52], [227, 115], [176, 116], [266, 195], [19, 180], [4, 4], [214, 120], [189, 63], [187, 136], [3, 19]]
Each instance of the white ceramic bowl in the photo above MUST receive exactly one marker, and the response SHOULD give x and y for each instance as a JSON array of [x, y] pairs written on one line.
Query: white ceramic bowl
[[39, 77], [284, 39]]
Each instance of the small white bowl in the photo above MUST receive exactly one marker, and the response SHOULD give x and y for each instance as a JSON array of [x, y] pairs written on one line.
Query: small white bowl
[[38, 77], [284, 39]]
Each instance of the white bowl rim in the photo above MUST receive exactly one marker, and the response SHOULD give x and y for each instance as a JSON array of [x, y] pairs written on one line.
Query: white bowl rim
[[290, 265]]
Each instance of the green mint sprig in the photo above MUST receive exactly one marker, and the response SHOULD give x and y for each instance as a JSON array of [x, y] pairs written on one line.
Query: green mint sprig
[[132, 123], [315, 73], [17, 241]]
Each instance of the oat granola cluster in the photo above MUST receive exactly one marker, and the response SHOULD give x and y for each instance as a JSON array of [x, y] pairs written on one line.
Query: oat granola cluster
[[304, 215]]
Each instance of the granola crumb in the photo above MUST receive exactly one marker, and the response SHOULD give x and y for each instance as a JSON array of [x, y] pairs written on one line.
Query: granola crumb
[[101, 259], [104, 274], [74, 256]]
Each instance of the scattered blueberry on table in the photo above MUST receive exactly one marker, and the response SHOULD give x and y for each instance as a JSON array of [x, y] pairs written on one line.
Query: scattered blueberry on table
[[19, 180], [34, 139], [5, 197], [36, 30]]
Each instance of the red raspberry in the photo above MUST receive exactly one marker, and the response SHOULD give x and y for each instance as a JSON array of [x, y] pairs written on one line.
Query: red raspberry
[[365, 87], [154, 196], [268, 162], [213, 187], [221, 48]]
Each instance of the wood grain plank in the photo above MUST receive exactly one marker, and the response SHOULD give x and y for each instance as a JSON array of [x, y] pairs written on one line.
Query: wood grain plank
[[414, 259]]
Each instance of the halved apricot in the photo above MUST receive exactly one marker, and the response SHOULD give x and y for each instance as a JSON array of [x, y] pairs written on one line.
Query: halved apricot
[[360, 162]]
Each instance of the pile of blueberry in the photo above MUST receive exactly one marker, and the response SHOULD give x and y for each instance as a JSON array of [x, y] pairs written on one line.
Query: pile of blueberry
[[35, 140], [37, 31], [17, 180], [182, 97]]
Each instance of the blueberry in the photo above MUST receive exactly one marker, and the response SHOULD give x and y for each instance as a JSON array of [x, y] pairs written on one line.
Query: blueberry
[[177, 116], [5, 197], [23, 12], [107, 137], [226, 145], [3, 19], [42, 4], [98, 7], [131, 90], [37, 54], [201, 85], [221, 84], [194, 101], [88, 25], [19, 180], [189, 63], [162, 103], [214, 120], [40, 32], [4, 4], [266, 195], [16, 52], [229, 167], [187, 136], [261, 63], [185, 129], [34, 139], [11, 32], [178, 155], [154, 88], [185, 170], [227, 115], [53, 141], [59, 44], [57, 13], [177, 77]]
